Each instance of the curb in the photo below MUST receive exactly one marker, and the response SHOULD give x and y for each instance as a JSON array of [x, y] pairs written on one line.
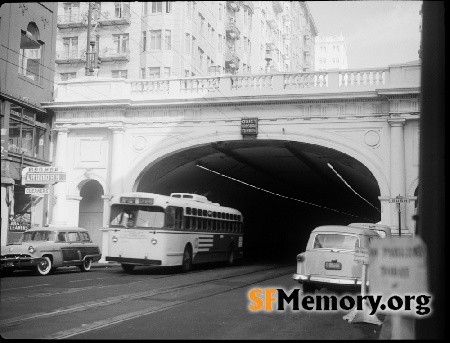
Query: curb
[[386, 329]]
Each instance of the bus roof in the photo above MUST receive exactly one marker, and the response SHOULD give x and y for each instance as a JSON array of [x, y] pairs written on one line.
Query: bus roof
[[165, 200]]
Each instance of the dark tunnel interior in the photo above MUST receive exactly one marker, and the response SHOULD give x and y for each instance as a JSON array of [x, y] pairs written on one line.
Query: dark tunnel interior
[[284, 189]]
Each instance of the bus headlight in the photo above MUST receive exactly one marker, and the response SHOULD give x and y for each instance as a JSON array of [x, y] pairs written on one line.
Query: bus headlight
[[154, 241], [115, 239], [31, 249]]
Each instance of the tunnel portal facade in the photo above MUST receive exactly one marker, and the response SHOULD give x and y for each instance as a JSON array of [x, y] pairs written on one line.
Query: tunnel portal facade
[[119, 131]]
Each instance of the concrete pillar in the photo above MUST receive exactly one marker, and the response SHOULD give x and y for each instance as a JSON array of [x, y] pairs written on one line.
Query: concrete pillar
[[60, 210], [397, 171], [117, 159], [73, 207], [106, 211]]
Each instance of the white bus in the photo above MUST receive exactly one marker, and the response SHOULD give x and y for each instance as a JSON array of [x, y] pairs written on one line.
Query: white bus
[[180, 229]]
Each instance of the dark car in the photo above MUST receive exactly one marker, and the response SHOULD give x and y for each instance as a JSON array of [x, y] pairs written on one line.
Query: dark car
[[43, 249]]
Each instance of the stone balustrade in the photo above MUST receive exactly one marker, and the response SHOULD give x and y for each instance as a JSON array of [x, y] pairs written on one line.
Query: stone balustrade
[[248, 86]]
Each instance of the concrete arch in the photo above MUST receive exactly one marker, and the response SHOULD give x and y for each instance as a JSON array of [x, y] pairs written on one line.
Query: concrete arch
[[345, 145], [412, 187]]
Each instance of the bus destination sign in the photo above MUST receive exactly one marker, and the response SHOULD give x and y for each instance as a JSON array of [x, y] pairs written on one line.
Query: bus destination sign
[[249, 126]]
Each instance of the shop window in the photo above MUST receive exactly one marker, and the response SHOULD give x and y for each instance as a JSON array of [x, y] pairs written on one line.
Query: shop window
[[27, 134], [31, 52]]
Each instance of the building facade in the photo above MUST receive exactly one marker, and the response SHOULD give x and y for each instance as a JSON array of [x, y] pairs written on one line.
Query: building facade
[[331, 52], [149, 40], [28, 38]]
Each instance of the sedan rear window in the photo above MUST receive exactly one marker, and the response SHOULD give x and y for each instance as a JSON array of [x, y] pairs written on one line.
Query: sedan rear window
[[335, 241]]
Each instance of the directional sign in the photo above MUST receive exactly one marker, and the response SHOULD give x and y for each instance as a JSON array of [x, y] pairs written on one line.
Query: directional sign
[[399, 200]]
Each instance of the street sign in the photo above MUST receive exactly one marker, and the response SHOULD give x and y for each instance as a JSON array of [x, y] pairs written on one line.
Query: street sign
[[37, 191], [361, 256], [399, 200], [42, 175]]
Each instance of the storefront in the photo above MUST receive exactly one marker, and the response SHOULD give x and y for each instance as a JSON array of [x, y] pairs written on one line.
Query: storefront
[[25, 142]]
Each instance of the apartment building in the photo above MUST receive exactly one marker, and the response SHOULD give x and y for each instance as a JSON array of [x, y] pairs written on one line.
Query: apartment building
[[147, 40], [27, 59], [331, 52]]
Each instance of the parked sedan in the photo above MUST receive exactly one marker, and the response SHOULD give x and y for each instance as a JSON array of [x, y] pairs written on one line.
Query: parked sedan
[[43, 249], [329, 257]]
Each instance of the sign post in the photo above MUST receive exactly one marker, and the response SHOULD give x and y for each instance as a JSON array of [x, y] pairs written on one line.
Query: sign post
[[398, 200], [364, 316]]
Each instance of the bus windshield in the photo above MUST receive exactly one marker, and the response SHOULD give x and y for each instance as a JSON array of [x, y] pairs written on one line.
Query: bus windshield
[[137, 216]]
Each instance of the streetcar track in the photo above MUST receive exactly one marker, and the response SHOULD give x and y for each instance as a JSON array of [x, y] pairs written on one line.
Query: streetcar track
[[80, 289], [132, 315], [117, 299]]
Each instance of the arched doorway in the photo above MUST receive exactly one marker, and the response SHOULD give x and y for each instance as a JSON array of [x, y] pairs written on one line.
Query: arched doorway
[[91, 209]]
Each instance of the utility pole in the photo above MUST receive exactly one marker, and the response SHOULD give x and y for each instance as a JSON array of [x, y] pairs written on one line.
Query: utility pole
[[89, 69]]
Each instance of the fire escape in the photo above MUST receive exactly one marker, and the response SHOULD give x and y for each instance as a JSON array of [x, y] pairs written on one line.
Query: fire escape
[[233, 34]]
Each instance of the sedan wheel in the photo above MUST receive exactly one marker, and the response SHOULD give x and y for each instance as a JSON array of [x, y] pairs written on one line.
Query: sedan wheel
[[86, 266], [44, 266]]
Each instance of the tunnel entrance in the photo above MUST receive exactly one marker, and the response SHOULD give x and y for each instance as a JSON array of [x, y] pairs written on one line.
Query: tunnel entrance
[[283, 188]]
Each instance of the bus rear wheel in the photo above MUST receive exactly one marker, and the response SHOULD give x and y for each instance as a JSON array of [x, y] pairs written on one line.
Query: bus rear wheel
[[127, 267], [187, 259]]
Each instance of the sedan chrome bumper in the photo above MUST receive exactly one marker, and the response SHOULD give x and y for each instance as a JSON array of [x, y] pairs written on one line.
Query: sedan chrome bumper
[[324, 280]]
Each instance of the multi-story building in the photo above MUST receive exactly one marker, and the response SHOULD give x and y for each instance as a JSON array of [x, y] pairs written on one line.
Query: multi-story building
[[27, 59], [331, 52], [182, 39]]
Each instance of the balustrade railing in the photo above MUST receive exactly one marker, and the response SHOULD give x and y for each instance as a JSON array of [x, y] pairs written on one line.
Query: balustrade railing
[[362, 77], [269, 83]]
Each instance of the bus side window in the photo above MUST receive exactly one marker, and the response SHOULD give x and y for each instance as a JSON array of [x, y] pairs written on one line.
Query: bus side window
[[194, 223], [187, 223]]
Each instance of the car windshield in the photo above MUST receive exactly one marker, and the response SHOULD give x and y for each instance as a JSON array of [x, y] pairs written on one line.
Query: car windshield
[[138, 216], [335, 241], [38, 236]]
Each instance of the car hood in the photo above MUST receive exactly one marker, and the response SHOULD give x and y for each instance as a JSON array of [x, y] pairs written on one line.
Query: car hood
[[21, 248]]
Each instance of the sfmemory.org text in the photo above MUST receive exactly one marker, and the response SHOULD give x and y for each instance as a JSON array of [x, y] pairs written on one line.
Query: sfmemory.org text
[[270, 299]]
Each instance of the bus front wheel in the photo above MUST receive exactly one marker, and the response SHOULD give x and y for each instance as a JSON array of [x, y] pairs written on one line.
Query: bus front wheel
[[187, 259], [127, 267]]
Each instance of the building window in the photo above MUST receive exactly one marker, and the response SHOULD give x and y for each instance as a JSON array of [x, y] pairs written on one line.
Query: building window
[[142, 73], [166, 72], [119, 74], [68, 76], [70, 45], [154, 73], [168, 6], [145, 8], [188, 9], [121, 43], [186, 73], [187, 43], [155, 39], [168, 39], [28, 133], [121, 9], [245, 44], [156, 7], [220, 12], [193, 45], [200, 58], [202, 23], [71, 11], [31, 52], [220, 43], [144, 41]]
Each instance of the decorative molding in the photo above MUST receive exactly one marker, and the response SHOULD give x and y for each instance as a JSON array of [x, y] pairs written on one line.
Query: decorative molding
[[45, 22], [24, 8]]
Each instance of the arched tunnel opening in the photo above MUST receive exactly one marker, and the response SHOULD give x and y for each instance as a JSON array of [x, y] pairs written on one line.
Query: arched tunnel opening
[[284, 189]]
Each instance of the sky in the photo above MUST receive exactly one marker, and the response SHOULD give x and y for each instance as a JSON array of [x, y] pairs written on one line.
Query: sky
[[377, 33]]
